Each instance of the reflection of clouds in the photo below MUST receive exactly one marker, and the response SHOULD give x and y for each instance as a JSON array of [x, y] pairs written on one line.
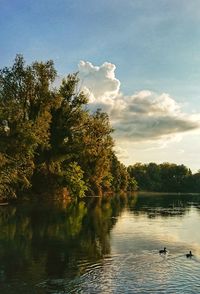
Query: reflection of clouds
[[142, 233], [139, 239], [133, 265], [143, 116]]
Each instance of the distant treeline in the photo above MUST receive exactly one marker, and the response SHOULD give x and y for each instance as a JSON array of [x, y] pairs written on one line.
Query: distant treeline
[[165, 177], [49, 139]]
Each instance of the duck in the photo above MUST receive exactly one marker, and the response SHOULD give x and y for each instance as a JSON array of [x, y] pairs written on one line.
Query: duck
[[163, 251], [189, 254]]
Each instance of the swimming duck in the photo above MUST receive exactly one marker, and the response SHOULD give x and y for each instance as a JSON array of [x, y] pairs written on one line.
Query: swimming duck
[[189, 254], [163, 251]]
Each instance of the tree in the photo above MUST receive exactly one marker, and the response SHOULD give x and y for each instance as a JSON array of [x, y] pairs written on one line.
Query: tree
[[95, 156], [153, 171], [139, 173], [165, 177], [25, 103], [65, 132], [121, 180], [79, 137], [48, 137], [173, 177]]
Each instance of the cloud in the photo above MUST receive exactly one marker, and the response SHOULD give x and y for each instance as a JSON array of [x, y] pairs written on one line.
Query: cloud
[[100, 81], [143, 116], [148, 116], [121, 152]]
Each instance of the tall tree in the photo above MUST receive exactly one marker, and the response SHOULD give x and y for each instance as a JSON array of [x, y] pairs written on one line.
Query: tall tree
[[25, 100], [49, 139], [95, 156]]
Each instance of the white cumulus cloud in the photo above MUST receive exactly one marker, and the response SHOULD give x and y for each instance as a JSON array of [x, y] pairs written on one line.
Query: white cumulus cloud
[[100, 81], [143, 116]]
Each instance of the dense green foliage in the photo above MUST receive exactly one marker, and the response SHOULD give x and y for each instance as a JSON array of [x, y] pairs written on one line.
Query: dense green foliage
[[165, 177], [48, 137]]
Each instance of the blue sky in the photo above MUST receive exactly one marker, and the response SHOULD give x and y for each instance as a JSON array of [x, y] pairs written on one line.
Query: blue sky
[[154, 44]]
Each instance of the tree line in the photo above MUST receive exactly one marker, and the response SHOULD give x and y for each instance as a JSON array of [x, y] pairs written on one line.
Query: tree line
[[165, 177], [48, 137]]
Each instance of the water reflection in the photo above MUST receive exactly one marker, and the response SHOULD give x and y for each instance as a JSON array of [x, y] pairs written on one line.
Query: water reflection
[[44, 241], [43, 248], [166, 205]]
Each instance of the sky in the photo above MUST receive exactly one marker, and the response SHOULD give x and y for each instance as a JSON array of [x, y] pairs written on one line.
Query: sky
[[139, 60]]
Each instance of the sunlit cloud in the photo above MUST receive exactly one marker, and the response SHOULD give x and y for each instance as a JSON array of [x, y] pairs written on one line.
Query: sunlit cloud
[[100, 81], [143, 116], [121, 153]]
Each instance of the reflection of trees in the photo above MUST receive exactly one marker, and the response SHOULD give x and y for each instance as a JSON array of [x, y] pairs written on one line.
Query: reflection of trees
[[163, 205], [46, 241]]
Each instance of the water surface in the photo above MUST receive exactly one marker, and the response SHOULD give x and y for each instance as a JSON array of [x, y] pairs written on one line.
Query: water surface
[[101, 246]]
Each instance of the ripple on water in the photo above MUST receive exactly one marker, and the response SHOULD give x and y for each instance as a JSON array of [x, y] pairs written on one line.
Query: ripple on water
[[147, 272]]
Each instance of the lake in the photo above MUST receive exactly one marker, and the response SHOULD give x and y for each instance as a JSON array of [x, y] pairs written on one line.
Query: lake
[[98, 245]]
